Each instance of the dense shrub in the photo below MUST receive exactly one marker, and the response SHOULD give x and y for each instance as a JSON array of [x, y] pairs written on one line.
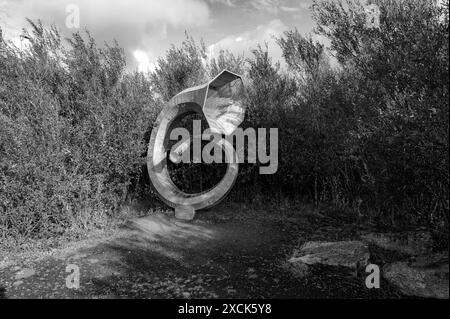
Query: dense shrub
[[399, 94], [363, 125], [72, 126]]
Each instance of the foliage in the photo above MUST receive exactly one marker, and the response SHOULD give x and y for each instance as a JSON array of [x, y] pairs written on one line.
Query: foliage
[[71, 127], [226, 61], [362, 124], [181, 68]]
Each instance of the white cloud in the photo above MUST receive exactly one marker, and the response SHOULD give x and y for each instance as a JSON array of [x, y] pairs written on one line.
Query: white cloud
[[290, 9], [230, 3], [242, 43], [132, 14], [176, 14], [136, 24], [144, 28], [275, 6], [270, 6]]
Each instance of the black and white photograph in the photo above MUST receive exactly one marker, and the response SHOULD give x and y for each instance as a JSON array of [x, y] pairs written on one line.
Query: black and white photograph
[[224, 158]]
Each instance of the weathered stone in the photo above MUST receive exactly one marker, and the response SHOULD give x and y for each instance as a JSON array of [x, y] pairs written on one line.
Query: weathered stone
[[437, 260], [25, 273], [409, 243], [185, 212], [351, 255], [77, 256], [297, 268], [420, 278]]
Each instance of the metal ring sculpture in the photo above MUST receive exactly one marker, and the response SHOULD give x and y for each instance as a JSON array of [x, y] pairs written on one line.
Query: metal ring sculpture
[[220, 101]]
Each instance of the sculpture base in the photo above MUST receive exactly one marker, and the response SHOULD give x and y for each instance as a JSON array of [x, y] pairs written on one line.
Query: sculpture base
[[184, 212]]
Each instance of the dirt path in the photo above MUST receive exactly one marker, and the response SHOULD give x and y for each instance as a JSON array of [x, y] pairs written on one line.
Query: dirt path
[[222, 254]]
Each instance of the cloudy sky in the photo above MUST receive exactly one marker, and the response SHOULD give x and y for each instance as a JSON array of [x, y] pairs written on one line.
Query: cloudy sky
[[146, 28]]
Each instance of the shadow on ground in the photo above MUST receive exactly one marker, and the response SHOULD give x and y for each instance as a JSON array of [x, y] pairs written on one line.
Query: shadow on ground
[[224, 253], [171, 259]]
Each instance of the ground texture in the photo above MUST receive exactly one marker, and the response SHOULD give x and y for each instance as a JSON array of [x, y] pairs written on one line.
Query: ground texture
[[224, 253]]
